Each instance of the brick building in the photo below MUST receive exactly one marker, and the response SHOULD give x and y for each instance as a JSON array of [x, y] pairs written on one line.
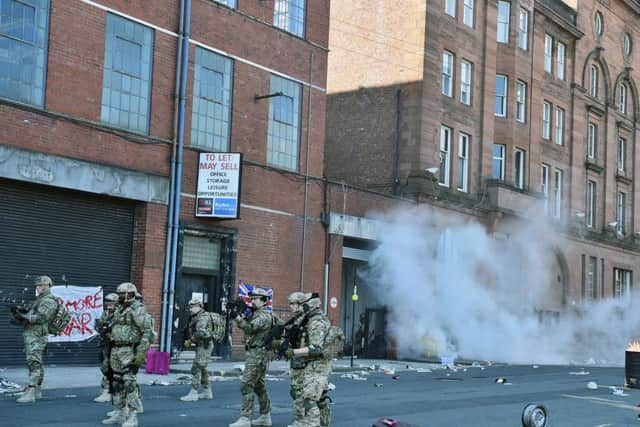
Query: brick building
[[95, 105], [497, 111]]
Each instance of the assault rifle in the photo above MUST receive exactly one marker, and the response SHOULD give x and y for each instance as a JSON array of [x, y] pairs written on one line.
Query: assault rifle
[[18, 301], [104, 329], [287, 332], [235, 307]]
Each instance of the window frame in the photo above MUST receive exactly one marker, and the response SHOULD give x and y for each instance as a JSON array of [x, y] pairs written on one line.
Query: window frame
[[598, 25], [547, 109], [622, 98], [521, 101], [561, 49], [466, 83], [559, 126], [557, 193], [544, 186], [501, 158], [503, 97], [280, 134], [591, 195], [519, 162], [450, 8], [621, 155], [447, 77], [446, 136], [505, 25], [463, 161], [468, 18], [594, 80], [622, 282], [548, 53], [523, 33], [592, 140], [283, 19], [592, 277], [621, 213]]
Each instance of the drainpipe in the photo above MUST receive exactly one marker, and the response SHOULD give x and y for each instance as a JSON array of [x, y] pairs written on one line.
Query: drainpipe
[[184, 67], [306, 173], [167, 247], [396, 145]]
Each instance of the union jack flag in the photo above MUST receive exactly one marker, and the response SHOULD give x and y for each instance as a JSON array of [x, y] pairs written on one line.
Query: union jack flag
[[245, 288]]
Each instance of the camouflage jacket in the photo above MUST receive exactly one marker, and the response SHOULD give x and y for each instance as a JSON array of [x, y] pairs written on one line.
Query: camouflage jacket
[[200, 329], [256, 327], [39, 313], [102, 323], [313, 334], [132, 325]]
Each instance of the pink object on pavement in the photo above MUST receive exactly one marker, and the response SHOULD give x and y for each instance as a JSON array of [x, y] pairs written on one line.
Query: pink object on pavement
[[157, 362]]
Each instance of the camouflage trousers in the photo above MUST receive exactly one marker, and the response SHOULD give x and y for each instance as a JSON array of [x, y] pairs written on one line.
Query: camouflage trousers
[[314, 380], [34, 347], [125, 385], [252, 381], [104, 368], [199, 369]]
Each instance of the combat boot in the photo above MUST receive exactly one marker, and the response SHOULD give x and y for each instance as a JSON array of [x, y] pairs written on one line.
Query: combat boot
[[241, 422], [38, 392], [104, 397], [132, 420], [140, 409], [262, 420], [29, 396], [206, 394], [112, 413], [118, 418], [192, 396]]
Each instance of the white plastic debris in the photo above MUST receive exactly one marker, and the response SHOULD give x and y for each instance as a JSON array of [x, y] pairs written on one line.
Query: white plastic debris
[[388, 371], [535, 366], [331, 386], [501, 380], [592, 385], [617, 391], [423, 370]]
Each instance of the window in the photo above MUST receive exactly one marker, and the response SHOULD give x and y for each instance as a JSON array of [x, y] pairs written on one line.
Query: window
[[450, 7], [592, 140], [463, 161], [447, 73], [622, 98], [465, 82], [519, 161], [621, 216], [544, 187], [523, 30], [622, 144], [546, 120], [24, 29], [504, 10], [289, 15], [559, 126], [621, 283], [598, 24], [521, 101], [498, 161], [593, 81], [230, 3], [445, 149], [467, 17], [126, 84], [626, 44], [211, 115], [557, 194], [591, 204], [548, 52], [501, 96], [560, 54], [284, 124], [590, 289]]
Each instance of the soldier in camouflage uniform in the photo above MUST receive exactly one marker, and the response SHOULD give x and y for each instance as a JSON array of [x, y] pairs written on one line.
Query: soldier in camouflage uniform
[[102, 325], [255, 328], [310, 357], [131, 337], [35, 319], [201, 334], [295, 304]]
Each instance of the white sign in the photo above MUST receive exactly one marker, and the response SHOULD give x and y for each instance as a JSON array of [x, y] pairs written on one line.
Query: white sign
[[84, 304], [334, 302], [218, 194]]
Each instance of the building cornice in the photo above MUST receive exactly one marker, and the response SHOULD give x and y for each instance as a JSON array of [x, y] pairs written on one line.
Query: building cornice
[[561, 14]]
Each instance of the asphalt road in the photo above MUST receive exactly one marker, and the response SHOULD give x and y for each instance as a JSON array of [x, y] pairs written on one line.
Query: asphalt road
[[440, 398]]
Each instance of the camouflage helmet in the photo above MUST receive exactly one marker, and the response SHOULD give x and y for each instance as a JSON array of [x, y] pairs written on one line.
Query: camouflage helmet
[[298, 297], [126, 287], [43, 280], [111, 297], [259, 292], [193, 302]]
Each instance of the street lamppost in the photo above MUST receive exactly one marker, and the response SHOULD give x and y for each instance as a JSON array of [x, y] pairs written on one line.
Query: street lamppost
[[354, 298]]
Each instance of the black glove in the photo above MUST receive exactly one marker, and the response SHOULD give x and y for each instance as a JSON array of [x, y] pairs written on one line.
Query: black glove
[[233, 313]]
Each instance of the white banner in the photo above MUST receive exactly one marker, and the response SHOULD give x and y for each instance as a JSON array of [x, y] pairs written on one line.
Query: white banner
[[84, 304]]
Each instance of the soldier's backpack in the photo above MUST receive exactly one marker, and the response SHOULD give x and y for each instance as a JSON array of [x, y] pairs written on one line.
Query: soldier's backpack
[[333, 341], [217, 327], [59, 320]]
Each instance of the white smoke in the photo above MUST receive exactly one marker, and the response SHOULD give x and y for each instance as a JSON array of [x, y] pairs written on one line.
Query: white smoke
[[453, 289]]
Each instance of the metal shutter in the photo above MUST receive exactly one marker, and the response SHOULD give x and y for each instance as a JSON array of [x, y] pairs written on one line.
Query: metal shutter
[[46, 230]]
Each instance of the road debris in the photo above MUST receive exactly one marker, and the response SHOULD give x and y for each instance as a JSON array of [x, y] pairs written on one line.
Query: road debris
[[331, 386], [583, 372], [500, 380], [592, 385], [10, 387], [355, 377], [396, 377], [378, 384], [617, 391]]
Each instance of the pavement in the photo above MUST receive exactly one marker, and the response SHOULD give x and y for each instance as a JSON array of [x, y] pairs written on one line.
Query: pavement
[[57, 377]]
